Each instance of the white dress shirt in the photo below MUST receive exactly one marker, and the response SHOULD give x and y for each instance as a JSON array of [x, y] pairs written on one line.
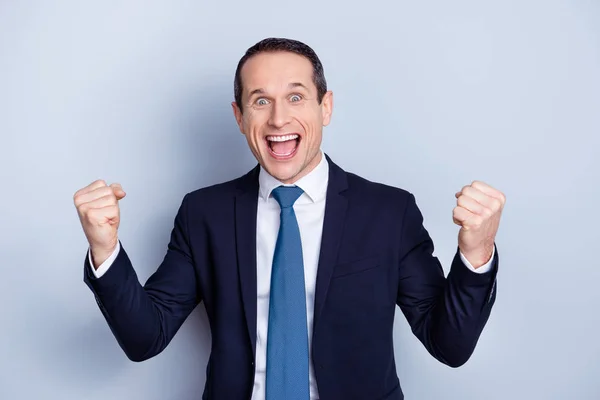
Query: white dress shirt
[[310, 212]]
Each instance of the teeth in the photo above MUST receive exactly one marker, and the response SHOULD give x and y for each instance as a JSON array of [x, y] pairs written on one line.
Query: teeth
[[281, 138]]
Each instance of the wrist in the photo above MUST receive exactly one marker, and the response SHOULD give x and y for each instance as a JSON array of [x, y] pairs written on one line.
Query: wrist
[[480, 256], [101, 254]]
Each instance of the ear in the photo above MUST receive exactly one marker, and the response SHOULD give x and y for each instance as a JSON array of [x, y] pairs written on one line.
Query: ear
[[327, 107], [238, 116]]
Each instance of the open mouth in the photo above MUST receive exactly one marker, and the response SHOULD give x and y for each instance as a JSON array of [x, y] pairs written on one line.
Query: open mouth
[[284, 146]]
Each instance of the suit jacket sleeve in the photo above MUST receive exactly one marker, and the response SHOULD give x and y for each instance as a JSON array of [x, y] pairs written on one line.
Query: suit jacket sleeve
[[144, 319], [446, 314]]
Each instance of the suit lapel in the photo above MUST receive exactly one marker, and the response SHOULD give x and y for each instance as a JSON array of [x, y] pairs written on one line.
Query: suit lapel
[[246, 203], [333, 226]]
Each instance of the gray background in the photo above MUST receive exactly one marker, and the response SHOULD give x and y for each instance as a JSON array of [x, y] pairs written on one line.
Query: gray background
[[428, 96]]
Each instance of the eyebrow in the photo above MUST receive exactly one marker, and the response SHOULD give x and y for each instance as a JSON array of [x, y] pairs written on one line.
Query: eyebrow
[[297, 84], [290, 86]]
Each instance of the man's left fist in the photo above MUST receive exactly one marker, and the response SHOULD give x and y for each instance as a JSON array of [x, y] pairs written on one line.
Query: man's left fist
[[478, 211]]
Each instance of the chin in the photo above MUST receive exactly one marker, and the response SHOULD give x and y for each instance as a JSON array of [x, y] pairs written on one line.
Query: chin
[[283, 174]]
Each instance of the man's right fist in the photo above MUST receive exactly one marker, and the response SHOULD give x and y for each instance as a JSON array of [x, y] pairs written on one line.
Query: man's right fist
[[98, 208]]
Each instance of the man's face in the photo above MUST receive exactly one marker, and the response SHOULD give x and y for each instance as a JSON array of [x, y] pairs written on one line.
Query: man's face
[[282, 118]]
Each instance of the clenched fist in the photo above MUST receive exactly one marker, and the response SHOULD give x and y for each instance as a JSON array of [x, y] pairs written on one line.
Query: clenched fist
[[478, 210], [98, 208]]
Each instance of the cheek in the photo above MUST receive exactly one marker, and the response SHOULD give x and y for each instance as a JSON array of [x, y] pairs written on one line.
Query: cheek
[[253, 122], [311, 121], [249, 122], [247, 118]]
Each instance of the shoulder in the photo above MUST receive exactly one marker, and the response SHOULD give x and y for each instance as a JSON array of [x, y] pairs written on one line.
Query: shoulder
[[220, 194], [360, 188], [382, 202], [216, 192]]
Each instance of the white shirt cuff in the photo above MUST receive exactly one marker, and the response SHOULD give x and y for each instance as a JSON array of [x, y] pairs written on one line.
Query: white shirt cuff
[[106, 264], [484, 268]]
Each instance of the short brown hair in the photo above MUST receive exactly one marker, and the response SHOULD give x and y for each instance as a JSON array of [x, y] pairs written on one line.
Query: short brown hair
[[282, 44]]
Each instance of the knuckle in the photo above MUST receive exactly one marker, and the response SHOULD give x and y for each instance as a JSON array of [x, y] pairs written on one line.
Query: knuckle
[[106, 200], [502, 198], [479, 185], [105, 191], [110, 202], [496, 204]]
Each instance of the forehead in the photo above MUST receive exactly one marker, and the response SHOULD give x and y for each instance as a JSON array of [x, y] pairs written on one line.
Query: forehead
[[274, 70]]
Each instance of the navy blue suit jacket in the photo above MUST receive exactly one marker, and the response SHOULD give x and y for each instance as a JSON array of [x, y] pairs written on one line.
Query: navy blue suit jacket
[[375, 255]]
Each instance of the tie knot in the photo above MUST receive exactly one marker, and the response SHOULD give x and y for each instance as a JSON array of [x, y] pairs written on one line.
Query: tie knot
[[286, 196]]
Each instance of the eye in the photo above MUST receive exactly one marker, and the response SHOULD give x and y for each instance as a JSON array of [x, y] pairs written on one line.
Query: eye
[[295, 98], [262, 102]]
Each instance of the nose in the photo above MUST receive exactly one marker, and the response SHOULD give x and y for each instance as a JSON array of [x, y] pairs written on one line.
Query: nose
[[280, 115]]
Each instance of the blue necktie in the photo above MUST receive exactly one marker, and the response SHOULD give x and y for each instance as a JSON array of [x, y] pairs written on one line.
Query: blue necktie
[[287, 337]]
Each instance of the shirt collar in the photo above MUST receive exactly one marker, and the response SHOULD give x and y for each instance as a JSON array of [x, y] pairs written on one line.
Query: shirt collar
[[314, 184]]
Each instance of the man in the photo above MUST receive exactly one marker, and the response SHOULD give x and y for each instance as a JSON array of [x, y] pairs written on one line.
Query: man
[[300, 264]]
